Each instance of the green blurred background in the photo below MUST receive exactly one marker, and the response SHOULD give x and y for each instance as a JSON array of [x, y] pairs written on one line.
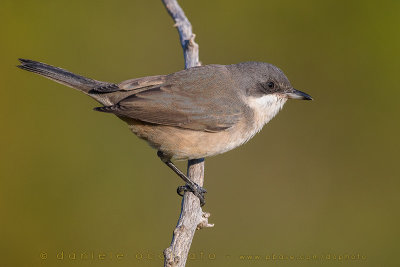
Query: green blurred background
[[321, 179]]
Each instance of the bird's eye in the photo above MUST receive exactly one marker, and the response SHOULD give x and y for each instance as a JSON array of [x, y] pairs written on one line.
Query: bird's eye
[[271, 85]]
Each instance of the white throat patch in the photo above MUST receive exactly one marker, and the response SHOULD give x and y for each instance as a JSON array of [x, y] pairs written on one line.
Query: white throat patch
[[265, 108]]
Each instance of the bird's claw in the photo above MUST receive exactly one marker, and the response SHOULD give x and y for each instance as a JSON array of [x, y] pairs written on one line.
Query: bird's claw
[[198, 191]]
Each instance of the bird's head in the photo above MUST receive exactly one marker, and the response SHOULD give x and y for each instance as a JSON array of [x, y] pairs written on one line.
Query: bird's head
[[266, 89]]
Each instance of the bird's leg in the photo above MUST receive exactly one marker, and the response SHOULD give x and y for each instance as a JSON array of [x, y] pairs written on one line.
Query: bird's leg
[[190, 186]]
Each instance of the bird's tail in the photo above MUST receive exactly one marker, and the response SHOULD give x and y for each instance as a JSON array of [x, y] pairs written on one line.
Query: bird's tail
[[61, 76]]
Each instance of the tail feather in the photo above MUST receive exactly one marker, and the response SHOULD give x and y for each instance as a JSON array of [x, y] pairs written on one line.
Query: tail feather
[[61, 76], [108, 109]]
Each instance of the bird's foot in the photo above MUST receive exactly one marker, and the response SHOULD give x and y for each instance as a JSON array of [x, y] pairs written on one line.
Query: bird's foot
[[197, 190]]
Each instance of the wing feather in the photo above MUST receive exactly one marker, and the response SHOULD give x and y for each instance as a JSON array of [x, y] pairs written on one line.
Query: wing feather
[[190, 99]]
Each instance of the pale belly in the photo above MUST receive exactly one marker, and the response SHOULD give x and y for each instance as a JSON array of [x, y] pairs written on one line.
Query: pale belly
[[183, 144]]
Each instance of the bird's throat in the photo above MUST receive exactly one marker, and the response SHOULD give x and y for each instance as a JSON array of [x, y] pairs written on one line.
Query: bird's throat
[[265, 108]]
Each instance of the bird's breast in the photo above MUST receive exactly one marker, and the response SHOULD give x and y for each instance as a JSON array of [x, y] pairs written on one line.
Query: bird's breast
[[181, 144]]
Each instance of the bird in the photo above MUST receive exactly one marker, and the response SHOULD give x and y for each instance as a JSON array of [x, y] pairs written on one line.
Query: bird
[[194, 113]]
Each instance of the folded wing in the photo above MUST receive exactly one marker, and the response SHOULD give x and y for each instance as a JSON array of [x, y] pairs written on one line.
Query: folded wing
[[161, 106], [199, 99]]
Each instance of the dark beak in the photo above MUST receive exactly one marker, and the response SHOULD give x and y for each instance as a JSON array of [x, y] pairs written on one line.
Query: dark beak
[[296, 94]]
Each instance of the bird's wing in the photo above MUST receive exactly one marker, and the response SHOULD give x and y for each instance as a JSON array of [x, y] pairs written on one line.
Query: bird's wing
[[161, 106], [138, 85], [199, 99]]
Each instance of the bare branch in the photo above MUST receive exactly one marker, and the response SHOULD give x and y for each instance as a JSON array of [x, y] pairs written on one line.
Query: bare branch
[[192, 216], [186, 36]]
